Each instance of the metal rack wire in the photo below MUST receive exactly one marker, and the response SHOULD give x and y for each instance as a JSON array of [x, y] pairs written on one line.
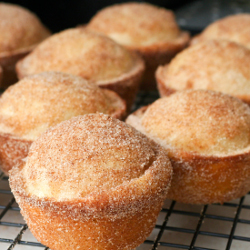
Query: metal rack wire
[[179, 226]]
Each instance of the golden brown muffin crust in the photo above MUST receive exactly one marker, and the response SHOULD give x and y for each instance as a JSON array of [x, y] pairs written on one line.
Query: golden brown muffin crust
[[39, 101], [80, 52], [12, 151], [148, 30], [235, 28], [90, 55], [95, 212], [19, 29], [207, 137], [93, 139], [213, 65], [136, 24], [97, 145], [202, 122]]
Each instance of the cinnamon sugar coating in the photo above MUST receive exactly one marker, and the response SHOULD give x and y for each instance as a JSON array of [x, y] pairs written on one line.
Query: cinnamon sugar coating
[[203, 122], [92, 182], [213, 65], [19, 28], [13, 150], [136, 24], [207, 135], [101, 152], [79, 52], [235, 28], [149, 30], [40, 101], [87, 54], [20, 31]]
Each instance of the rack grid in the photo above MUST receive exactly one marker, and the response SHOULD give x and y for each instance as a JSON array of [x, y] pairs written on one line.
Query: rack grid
[[179, 226]]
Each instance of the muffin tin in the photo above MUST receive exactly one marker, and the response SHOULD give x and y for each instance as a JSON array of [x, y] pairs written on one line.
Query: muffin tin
[[178, 226]]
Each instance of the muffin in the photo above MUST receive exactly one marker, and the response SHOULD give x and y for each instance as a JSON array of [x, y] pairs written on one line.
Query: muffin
[[146, 29], [92, 182], [90, 55], [207, 135], [213, 65], [20, 32], [35, 103], [235, 28]]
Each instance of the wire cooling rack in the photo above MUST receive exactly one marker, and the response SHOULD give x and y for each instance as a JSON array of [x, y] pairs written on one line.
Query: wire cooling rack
[[179, 226]]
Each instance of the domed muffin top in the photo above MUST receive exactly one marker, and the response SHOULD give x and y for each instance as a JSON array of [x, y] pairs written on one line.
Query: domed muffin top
[[234, 28], [84, 155], [199, 121], [37, 102], [213, 65], [136, 24], [19, 28], [80, 52]]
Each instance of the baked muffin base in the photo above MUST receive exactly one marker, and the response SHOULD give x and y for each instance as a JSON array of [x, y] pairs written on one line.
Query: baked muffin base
[[113, 236], [206, 180]]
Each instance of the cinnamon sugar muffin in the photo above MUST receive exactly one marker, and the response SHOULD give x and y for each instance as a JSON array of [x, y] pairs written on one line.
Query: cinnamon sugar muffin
[[37, 102], [147, 29], [90, 55], [235, 28], [92, 182], [207, 135], [214, 65], [20, 31]]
